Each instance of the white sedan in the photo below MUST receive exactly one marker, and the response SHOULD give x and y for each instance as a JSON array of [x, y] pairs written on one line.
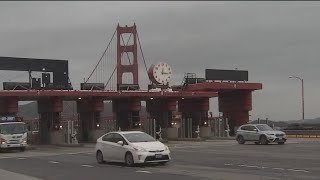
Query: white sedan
[[131, 147]]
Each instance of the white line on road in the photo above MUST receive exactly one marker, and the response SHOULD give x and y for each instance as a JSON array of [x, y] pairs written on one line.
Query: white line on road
[[83, 152], [21, 158], [297, 170], [263, 167], [5, 157], [253, 166], [85, 165], [228, 164], [54, 162], [144, 172], [278, 168]]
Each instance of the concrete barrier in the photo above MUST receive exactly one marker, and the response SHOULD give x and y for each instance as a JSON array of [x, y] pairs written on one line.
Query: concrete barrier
[[205, 132], [171, 133], [95, 134], [57, 137]]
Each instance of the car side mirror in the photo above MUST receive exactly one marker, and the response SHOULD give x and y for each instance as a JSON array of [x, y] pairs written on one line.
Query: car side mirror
[[256, 130], [120, 143]]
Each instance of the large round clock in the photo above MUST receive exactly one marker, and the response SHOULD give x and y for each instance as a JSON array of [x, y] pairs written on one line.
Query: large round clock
[[160, 73]]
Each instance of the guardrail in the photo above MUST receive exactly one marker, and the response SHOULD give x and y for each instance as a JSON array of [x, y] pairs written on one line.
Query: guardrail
[[303, 133]]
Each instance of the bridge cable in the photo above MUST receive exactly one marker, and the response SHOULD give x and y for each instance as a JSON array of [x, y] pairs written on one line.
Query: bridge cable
[[101, 57], [144, 61]]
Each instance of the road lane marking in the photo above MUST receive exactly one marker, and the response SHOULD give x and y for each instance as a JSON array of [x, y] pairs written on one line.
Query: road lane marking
[[278, 169], [297, 170], [144, 172], [263, 167], [5, 157], [86, 165], [54, 162], [21, 158], [253, 166]]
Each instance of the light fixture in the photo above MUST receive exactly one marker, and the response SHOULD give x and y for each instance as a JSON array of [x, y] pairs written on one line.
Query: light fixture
[[79, 98], [151, 98]]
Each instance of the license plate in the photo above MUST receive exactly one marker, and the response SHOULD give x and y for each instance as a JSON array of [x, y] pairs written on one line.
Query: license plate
[[158, 156]]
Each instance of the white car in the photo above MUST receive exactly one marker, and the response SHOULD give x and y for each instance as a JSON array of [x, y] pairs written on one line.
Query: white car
[[131, 147]]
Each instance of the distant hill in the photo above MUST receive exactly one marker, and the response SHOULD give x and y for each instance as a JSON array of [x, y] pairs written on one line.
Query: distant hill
[[295, 124], [30, 110]]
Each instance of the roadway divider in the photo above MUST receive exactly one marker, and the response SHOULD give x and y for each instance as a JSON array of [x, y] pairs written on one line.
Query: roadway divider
[[303, 133], [303, 136]]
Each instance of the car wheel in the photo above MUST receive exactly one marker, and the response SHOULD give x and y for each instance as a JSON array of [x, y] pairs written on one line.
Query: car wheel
[[129, 160], [240, 140], [281, 143], [99, 157], [22, 149], [257, 143], [264, 140]]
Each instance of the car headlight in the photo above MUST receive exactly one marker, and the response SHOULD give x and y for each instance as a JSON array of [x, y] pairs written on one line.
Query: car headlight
[[24, 140], [139, 149], [166, 148], [270, 134]]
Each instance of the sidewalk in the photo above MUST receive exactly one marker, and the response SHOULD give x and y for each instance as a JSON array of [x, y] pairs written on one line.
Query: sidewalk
[[7, 175]]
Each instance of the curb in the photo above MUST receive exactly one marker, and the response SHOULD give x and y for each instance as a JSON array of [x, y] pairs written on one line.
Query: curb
[[69, 145], [187, 139], [30, 147]]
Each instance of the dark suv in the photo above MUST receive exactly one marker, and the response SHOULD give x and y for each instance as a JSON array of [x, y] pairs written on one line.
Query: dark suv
[[260, 134]]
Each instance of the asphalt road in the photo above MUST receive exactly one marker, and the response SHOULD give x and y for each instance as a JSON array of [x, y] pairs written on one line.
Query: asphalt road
[[191, 160]]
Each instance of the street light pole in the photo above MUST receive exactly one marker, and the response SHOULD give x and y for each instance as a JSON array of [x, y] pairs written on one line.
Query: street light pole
[[302, 91]]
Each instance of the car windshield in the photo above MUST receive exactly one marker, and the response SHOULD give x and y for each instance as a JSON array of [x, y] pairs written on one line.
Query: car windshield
[[16, 128], [138, 137], [264, 127]]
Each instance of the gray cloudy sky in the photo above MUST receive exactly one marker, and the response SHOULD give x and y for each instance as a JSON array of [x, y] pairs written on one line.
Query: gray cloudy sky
[[272, 40]]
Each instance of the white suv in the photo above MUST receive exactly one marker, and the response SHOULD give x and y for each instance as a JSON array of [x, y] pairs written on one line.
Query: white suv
[[260, 134]]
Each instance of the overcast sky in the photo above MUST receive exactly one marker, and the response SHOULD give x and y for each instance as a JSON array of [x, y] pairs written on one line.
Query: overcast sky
[[272, 40]]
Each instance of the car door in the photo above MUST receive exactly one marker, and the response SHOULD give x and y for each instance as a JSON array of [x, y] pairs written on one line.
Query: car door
[[252, 133], [119, 150], [244, 132], [107, 146]]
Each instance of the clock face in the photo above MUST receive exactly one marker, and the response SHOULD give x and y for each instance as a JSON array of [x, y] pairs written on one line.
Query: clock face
[[162, 73]]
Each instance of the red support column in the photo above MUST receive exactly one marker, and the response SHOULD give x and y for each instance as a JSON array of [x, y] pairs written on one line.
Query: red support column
[[127, 112], [161, 110], [50, 115], [196, 110], [9, 106], [235, 106], [90, 115]]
